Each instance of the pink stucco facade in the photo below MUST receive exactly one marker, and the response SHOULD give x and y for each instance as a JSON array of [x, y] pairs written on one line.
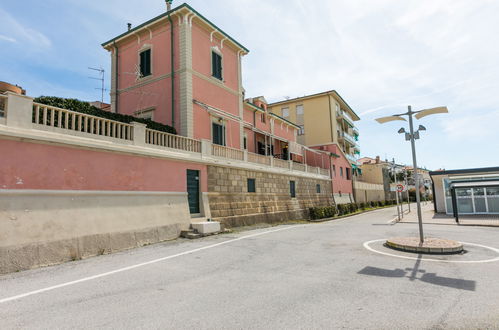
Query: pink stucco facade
[[341, 183], [81, 169], [198, 94]]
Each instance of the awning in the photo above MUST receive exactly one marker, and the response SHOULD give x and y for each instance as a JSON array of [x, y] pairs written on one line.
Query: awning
[[475, 183]]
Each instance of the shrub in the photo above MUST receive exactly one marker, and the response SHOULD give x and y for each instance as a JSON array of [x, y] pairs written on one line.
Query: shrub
[[373, 203], [321, 212], [86, 108], [353, 207], [362, 205], [342, 209]]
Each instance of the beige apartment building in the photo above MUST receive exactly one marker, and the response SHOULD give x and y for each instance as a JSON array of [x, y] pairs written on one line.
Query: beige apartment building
[[324, 119]]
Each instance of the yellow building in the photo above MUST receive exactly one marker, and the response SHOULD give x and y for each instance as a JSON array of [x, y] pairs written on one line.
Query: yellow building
[[324, 119]]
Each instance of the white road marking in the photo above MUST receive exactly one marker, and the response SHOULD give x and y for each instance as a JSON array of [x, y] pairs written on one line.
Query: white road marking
[[85, 279], [366, 245]]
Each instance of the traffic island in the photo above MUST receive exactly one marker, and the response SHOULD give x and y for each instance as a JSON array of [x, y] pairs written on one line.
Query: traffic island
[[429, 246]]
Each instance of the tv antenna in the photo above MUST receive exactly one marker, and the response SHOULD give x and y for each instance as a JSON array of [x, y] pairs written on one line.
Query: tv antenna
[[101, 78]]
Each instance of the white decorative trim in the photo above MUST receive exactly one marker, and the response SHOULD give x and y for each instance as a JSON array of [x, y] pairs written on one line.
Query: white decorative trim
[[150, 32], [222, 43], [190, 19], [211, 35]]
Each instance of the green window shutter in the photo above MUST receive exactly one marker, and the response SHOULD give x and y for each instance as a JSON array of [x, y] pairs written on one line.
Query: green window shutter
[[145, 63], [218, 134], [216, 65]]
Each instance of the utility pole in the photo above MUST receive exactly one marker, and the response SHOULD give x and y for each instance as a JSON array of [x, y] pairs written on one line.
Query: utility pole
[[407, 190], [396, 192]]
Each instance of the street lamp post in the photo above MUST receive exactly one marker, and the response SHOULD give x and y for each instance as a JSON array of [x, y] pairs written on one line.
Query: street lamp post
[[413, 136], [415, 173]]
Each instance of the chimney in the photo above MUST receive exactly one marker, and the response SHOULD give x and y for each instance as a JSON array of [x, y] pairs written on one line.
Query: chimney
[[168, 5], [129, 26], [377, 159]]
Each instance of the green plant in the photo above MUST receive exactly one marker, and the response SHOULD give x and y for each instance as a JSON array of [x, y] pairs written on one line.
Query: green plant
[[362, 205], [322, 212], [86, 108], [342, 209]]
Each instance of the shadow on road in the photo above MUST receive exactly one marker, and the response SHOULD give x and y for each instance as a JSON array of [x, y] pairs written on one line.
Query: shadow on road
[[412, 275]]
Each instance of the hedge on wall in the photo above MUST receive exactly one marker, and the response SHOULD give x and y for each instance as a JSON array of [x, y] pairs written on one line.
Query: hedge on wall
[[85, 107], [344, 209]]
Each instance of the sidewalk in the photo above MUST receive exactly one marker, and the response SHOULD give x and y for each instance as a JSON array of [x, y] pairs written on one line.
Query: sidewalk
[[430, 217]]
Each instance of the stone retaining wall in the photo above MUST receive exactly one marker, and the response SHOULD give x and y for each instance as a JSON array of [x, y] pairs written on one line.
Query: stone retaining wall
[[232, 204]]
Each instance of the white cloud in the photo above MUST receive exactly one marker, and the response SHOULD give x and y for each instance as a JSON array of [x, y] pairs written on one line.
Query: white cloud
[[12, 29], [5, 38]]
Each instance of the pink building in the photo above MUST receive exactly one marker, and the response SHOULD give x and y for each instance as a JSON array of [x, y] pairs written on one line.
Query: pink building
[[200, 80], [77, 185]]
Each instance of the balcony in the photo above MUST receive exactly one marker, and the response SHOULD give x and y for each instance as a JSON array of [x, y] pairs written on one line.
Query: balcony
[[347, 138], [351, 159]]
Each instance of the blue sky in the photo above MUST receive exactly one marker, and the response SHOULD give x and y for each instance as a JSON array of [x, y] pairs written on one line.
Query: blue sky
[[379, 55]]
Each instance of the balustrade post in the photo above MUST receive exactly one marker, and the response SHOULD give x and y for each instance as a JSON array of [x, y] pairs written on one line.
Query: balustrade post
[[138, 133], [245, 155], [290, 164], [271, 161], [206, 148], [19, 111]]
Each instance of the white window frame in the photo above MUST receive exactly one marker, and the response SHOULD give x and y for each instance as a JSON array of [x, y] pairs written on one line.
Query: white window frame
[[140, 113], [299, 106]]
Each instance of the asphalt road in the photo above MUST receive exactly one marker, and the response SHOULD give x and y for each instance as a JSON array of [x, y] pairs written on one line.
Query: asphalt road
[[285, 277]]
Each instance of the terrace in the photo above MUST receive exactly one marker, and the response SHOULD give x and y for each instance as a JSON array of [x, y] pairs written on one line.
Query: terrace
[[26, 119]]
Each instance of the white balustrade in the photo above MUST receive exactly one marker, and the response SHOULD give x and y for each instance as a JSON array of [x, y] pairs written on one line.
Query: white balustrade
[[173, 141], [80, 122], [258, 159], [226, 152]]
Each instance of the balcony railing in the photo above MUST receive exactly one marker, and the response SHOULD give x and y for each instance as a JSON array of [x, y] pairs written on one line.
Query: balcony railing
[[258, 159], [351, 158], [172, 141], [226, 152], [347, 118], [27, 115]]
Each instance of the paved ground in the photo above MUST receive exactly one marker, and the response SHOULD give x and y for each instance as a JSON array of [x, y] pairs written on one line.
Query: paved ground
[[287, 277], [429, 216]]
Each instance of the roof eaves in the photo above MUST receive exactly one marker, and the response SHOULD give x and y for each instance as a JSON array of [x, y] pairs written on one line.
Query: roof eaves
[[466, 171], [284, 119], [254, 106], [184, 5]]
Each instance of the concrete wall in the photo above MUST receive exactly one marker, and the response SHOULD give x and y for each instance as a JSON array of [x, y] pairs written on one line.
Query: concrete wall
[[232, 204], [438, 194], [43, 227], [61, 203], [368, 192]]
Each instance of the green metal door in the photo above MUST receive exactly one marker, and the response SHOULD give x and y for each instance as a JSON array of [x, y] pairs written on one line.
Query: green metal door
[[193, 190]]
